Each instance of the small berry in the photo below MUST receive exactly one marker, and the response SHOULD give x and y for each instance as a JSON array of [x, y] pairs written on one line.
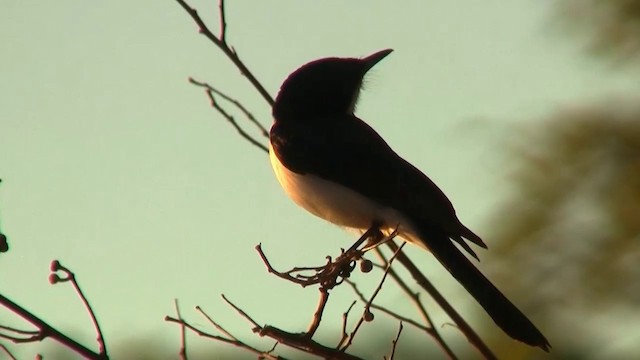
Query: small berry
[[366, 266], [368, 316], [55, 265], [54, 279]]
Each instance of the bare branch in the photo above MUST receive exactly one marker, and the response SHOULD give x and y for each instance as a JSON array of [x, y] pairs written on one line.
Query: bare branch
[[215, 324], [21, 336], [183, 334], [263, 131], [345, 317], [18, 331], [242, 313], [233, 122]]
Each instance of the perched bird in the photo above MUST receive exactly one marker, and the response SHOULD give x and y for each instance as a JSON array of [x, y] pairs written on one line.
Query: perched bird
[[338, 168]]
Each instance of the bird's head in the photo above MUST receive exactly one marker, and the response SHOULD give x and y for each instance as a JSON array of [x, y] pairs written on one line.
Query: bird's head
[[323, 87]]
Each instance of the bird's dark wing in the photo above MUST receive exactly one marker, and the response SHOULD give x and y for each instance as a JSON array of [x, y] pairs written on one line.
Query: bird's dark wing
[[351, 153]]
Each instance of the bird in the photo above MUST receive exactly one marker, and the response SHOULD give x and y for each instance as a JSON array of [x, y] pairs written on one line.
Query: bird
[[338, 168]]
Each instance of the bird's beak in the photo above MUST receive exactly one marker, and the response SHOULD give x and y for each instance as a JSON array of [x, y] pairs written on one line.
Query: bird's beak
[[374, 58]]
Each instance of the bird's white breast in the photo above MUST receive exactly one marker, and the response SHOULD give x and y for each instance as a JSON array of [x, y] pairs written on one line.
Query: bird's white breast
[[339, 204]]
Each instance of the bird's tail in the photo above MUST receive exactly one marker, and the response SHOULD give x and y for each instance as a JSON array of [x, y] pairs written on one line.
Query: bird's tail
[[506, 315]]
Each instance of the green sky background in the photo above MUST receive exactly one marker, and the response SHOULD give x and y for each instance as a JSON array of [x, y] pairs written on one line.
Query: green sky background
[[112, 163]]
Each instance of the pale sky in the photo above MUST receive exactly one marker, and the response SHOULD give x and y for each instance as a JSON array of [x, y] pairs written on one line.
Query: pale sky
[[112, 163]]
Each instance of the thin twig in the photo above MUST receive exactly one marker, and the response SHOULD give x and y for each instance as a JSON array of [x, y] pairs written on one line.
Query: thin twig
[[71, 276], [183, 334], [395, 343], [99, 337], [263, 131], [242, 313], [345, 317], [19, 331], [215, 324], [234, 123], [22, 339]]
